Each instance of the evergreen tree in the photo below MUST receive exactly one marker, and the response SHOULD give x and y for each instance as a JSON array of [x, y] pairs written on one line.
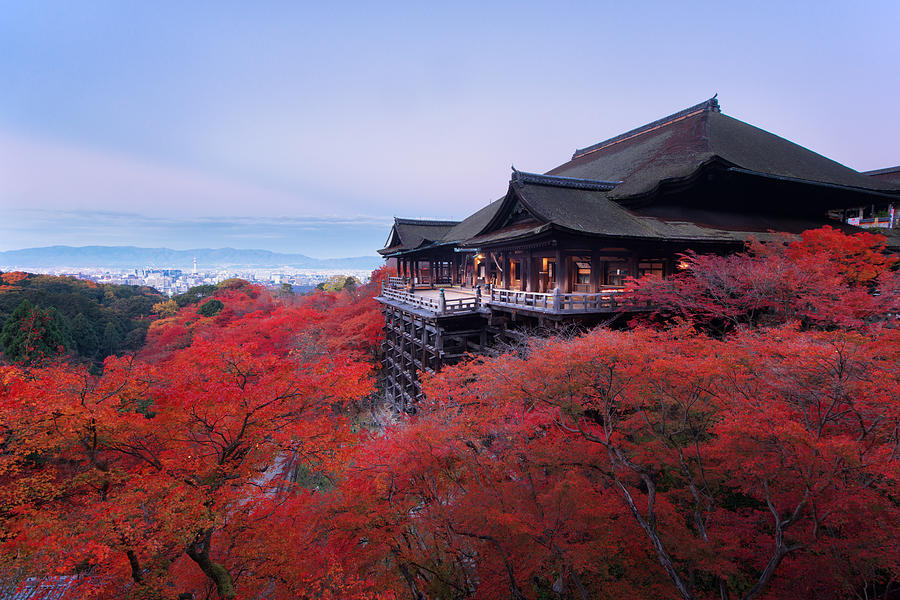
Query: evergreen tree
[[59, 325], [32, 334], [84, 337], [112, 339], [211, 308], [12, 337]]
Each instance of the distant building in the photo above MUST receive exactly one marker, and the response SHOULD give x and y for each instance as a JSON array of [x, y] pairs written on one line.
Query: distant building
[[557, 247]]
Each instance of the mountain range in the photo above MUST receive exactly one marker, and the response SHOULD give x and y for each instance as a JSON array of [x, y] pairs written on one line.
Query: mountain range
[[128, 257]]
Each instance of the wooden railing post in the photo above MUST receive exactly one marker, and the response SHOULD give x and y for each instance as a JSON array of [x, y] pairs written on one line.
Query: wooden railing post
[[477, 295], [557, 298], [442, 301]]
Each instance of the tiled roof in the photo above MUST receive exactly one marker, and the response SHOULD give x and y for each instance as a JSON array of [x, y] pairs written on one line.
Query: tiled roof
[[891, 174], [409, 234], [609, 188], [677, 146]]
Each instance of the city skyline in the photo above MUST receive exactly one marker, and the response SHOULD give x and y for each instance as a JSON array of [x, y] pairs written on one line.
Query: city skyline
[[306, 129]]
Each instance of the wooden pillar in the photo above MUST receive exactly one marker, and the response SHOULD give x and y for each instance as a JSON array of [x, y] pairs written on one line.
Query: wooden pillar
[[454, 269], [506, 269], [529, 272], [562, 271], [596, 272], [523, 271]]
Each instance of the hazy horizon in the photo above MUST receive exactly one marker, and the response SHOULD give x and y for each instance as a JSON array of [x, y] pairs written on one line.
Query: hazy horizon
[[307, 128], [181, 250]]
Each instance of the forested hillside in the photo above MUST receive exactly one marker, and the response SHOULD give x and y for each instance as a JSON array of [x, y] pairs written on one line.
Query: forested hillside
[[740, 441], [68, 316]]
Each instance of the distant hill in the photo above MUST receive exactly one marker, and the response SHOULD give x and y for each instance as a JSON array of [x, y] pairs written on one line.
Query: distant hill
[[126, 257]]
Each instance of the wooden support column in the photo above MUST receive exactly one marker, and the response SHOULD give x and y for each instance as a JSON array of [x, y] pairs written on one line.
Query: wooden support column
[[562, 271], [529, 273], [438, 348], [454, 269], [424, 362], [596, 272], [523, 271], [506, 269]]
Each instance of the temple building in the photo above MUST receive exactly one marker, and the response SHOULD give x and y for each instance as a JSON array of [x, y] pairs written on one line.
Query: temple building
[[557, 247]]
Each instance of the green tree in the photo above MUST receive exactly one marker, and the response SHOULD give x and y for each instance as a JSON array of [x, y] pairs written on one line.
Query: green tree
[[32, 334], [84, 337], [211, 308], [112, 339], [195, 294]]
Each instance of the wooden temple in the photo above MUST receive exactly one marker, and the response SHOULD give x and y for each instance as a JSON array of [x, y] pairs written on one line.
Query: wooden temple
[[559, 246]]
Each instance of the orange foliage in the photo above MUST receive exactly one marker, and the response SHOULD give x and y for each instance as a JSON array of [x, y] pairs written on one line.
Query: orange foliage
[[762, 462], [14, 277], [155, 475]]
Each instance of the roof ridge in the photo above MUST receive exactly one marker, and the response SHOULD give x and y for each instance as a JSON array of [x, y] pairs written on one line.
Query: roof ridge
[[405, 221], [565, 182], [711, 105]]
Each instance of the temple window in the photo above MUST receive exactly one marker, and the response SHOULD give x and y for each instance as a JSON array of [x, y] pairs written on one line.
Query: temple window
[[650, 267]]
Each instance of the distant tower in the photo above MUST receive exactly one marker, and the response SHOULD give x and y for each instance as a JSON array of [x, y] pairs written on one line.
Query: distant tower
[[195, 265]]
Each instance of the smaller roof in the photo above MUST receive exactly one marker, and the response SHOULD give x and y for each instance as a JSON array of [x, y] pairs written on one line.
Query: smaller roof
[[890, 174], [409, 234]]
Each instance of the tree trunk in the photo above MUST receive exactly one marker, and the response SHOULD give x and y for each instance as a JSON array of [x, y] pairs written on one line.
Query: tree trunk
[[199, 553]]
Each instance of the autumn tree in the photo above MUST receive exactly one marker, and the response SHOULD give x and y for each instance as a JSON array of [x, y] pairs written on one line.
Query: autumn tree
[[157, 476], [662, 463], [337, 283], [826, 279], [165, 309], [650, 464]]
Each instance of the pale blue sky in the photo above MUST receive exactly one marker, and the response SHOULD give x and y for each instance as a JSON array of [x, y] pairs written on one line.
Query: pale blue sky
[[304, 128]]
